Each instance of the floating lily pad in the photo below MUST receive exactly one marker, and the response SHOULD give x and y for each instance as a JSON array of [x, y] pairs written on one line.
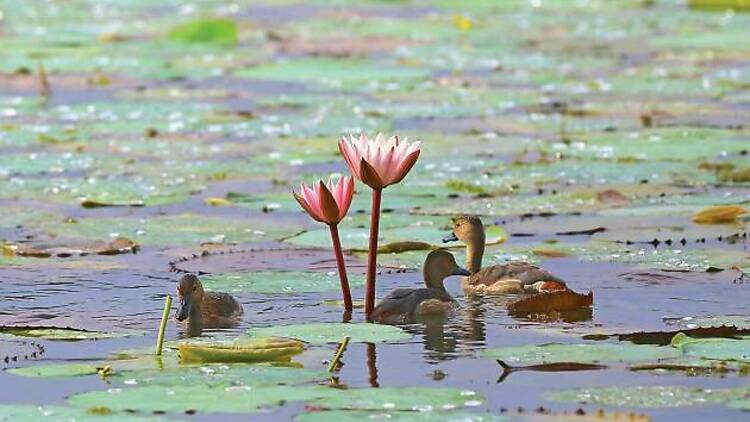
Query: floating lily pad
[[209, 399], [714, 348], [400, 416], [260, 350], [290, 282], [54, 371], [322, 333], [59, 333], [27, 412], [579, 353], [740, 322], [649, 396], [401, 398], [217, 375], [218, 31]]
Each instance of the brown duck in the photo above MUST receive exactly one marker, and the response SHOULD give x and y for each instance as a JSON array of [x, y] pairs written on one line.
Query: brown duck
[[514, 277], [402, 304], [207, 309]]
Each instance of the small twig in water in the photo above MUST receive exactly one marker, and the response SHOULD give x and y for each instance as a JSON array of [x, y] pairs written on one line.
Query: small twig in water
[[339, 352], [163, 324]]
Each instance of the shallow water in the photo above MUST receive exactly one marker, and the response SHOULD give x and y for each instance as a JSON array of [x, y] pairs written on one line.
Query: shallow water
[[529, 113]]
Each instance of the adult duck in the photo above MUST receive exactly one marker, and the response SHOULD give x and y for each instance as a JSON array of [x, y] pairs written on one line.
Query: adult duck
[[207, 309], [513, 277], [433, 299]]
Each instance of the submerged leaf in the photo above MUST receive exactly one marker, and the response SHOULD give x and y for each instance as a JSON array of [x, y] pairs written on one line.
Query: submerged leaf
[[289, 282], [58, 333], [398, 416]]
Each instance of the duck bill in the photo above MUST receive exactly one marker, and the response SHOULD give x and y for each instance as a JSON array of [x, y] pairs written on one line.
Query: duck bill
[[461, 271], [450, 238], [184, 310]]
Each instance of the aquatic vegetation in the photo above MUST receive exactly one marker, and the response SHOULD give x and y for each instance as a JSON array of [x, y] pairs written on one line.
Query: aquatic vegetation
[[378, 163], [323, 333], [329, 203]]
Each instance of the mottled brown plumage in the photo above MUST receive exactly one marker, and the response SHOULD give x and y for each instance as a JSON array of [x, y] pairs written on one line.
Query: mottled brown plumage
[[209, 309], [404, 304], [514, 277]]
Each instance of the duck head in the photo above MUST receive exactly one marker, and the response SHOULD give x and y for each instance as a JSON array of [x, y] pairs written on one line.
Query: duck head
[[439, 265], [466, 228], [190, 291]]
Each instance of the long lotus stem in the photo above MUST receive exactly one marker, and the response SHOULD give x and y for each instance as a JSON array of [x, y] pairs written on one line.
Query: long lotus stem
[[372, 252], [163, 324], [345, 292]]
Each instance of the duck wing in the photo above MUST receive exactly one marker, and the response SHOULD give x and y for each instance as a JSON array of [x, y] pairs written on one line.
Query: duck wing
[[523, 272], [405, 301], [220, 305]]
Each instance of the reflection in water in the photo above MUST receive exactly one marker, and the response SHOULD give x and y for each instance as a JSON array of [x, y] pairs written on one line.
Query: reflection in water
[[575, 315], [372, 366]]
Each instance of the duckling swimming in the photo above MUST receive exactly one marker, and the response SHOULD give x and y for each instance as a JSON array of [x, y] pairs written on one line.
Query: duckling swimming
[[514, 277], [206, 309], [430, 300]]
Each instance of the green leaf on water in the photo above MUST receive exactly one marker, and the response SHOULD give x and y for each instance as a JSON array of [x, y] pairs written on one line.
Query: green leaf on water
[[401, 398], [289, 282], [322, 333], [725, 349], [62, 333], [215, 31], [219, 398], [54, 371], [649, 396], [579, 353], [27, 412], [399, 416]]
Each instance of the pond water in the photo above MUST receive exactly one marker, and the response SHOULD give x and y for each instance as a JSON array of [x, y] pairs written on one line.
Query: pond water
[[587, 134]]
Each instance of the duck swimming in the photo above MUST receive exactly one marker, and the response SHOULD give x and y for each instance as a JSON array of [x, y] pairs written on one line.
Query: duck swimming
[[514, 277], [432, 299], [207, 309]]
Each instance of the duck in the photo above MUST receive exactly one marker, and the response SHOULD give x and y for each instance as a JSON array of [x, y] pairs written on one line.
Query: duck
[[433, 299], [206, 309], [512, 278]]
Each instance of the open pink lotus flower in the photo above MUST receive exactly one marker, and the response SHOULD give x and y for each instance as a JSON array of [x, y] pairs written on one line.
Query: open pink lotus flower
[[327, 203], [379, 162]]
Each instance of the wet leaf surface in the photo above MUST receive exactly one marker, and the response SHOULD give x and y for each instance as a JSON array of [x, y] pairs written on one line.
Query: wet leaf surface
[[323, 333], [650, 396]]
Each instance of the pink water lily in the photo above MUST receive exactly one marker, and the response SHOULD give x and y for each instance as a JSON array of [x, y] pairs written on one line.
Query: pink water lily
[[377, 162], [329, 203]]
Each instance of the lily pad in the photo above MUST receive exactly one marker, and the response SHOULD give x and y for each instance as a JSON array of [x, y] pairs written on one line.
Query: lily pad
[[649, 396], [261, 350], [322, 333], [218, 31], [55, 371], [401, 398], [400, 416], [59, 333], [289, 282], [27, 412], [223, 398], [579, 353], [724, 349]]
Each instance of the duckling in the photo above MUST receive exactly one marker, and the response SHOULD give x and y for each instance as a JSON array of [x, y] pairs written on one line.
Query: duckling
[[207, 309], [514, 277], [430, 300]]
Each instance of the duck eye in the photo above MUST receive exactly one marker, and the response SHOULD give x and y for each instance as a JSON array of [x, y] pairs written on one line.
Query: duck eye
[[195, 288]]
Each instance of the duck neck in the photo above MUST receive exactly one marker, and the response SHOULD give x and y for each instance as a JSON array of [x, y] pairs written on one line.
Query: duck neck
[[474, 253], [432, 281]]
